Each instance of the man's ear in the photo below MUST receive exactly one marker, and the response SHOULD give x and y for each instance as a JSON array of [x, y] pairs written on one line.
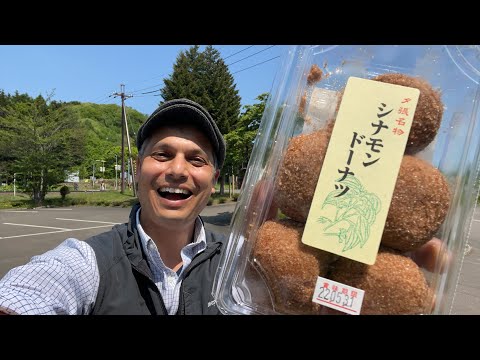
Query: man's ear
[[215, 179], [138, 166]]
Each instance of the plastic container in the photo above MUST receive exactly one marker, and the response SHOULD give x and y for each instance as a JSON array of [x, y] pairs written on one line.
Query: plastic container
[[364, 154]]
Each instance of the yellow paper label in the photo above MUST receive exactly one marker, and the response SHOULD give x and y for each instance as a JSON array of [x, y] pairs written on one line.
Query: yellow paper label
[[356, 184]]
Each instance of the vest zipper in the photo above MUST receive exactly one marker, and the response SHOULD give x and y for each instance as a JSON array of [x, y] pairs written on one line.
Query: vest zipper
[[181, 307], [152, 283]]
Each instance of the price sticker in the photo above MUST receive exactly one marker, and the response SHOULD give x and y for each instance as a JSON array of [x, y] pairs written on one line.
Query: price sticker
[[338, 296]]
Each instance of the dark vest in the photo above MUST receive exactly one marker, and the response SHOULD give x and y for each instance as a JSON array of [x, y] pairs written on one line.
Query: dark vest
[[126, 285]]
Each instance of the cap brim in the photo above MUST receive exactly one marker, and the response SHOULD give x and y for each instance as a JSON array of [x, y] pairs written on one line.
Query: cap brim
[[183, 111]]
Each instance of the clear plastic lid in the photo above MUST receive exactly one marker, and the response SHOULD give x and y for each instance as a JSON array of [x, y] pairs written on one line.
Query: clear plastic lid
[[298, 240]]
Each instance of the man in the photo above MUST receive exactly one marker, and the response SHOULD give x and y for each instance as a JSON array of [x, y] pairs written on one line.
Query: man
[[163, 260]]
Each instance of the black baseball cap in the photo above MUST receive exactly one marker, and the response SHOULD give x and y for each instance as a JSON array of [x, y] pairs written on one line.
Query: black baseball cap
[[185, 111]]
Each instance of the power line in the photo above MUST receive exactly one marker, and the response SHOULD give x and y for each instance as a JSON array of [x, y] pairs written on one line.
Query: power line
[[143, 81], [103, 102], [139, 96], [103, 99], [149, 92], [263, 62], [258, 52], [100, 100], [156, 85], [238, 52]]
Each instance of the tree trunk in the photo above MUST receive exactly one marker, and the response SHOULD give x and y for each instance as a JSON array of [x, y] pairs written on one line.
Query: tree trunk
[[37, 197], [222, 184], [39, 190]]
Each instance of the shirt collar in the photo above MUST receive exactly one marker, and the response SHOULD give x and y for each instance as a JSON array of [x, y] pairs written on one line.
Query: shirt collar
[[199, 236]]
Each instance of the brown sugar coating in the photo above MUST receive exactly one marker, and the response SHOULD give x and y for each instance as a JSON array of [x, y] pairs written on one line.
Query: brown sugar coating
[[419, 205], [303, 103], [315, 75], [428, 113], [258, 202], [298, 174], [290, 268], [394, 285]]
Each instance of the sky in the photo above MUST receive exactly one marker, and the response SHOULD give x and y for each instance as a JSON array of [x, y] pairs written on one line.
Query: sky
[[92, 73]]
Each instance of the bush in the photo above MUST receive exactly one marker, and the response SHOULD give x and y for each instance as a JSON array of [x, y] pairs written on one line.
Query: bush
[[64, 190]]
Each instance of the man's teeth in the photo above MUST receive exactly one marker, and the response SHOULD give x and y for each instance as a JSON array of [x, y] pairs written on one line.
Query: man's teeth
[[174, 191]]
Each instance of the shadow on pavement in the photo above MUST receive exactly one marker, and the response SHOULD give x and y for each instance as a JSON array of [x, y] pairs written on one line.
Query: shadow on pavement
[[221, 219]]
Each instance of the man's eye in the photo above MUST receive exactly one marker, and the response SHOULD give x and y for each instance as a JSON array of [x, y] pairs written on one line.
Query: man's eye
[[198, 161], [160, 156]]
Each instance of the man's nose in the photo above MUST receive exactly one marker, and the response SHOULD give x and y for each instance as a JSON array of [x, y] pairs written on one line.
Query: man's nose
[[178, 168]]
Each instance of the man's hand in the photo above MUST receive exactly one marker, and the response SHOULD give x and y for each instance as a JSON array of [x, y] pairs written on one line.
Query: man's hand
[[431, 253]]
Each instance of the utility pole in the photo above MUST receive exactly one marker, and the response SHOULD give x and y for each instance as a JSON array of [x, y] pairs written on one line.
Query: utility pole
[[116, 177], [123, 97], [130, 164]]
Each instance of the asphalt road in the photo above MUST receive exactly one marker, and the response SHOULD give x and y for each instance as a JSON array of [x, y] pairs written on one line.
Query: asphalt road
[[466, 300], [25, 233]]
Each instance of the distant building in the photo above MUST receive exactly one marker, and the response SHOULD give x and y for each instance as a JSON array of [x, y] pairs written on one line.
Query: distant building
[[72, 177]]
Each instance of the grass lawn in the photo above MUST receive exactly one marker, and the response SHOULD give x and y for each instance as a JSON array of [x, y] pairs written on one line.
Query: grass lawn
[[89, 198]]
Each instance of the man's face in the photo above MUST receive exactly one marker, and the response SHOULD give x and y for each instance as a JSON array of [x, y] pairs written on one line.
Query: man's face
[[175, 176]]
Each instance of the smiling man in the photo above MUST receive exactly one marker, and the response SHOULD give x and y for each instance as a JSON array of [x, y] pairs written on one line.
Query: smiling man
[[163, 260]]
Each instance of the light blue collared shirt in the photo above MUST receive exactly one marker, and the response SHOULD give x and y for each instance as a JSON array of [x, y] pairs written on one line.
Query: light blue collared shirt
[[168, 281]]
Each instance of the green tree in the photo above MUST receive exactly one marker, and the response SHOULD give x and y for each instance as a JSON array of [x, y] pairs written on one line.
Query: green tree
[[45, 140], [6, 156], [104, 135], [205, 78], [225, 108], [188, 78], [240, 140]]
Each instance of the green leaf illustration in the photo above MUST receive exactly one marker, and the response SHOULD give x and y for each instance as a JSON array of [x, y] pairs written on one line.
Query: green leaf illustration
[[356, 212], [323, 219]]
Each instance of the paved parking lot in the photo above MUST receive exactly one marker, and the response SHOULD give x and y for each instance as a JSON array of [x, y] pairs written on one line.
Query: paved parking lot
[[25, 233], [467, 293]]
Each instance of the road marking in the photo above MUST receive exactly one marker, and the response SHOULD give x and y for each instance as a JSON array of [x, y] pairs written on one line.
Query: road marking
[[55, 209], [53, 232], [46, 227], [101, 222], [19, 211], [476, 220]]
